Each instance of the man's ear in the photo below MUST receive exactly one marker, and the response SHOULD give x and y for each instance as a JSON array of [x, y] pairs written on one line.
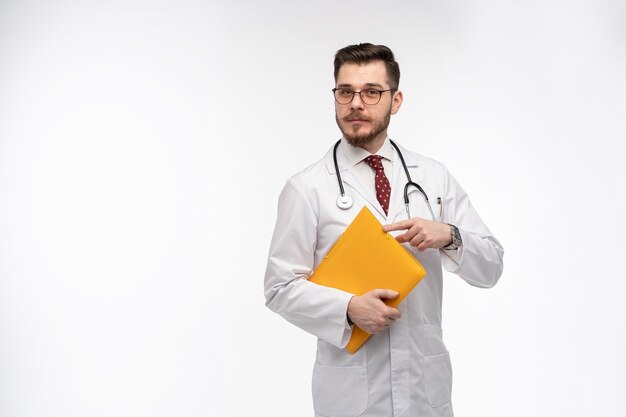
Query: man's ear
[[396, 102]]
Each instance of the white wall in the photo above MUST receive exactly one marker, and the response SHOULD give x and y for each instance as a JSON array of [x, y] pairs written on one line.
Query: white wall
[[143, 145]]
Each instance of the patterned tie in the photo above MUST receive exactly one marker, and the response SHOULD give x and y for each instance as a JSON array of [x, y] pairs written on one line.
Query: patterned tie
[[383, 189]]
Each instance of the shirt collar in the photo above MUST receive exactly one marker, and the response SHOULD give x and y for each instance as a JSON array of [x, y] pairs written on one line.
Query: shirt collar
[[355, 154]]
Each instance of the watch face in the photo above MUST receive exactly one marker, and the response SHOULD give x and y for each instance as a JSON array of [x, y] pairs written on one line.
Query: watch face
[[456, 238], [453, 231]]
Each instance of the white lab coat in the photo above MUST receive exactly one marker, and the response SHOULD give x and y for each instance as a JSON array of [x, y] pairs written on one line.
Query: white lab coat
[[405, 370]]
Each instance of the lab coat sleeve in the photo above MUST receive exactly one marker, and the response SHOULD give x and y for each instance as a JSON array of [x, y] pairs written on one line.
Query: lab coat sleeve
[[480, 260], [316, 309]]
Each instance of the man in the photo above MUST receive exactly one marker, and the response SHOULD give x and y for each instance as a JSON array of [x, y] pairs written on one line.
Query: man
[[404, 368]]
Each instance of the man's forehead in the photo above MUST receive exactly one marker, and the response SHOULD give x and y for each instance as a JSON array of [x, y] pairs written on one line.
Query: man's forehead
[[370, 73]]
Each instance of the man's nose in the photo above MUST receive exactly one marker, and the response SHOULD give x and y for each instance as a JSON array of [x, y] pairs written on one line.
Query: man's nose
[[357, 103]]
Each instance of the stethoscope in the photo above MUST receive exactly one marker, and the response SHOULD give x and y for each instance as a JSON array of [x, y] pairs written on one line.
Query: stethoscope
[[344, 201]]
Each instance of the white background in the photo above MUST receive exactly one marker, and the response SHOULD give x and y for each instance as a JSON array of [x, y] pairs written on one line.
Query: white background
[[143, 145]]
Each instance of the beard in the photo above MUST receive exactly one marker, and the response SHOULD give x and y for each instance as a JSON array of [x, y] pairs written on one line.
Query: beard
[[359, 135]]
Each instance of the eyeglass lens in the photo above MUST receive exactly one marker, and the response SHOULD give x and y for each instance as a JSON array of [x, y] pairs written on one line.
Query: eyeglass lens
[[345, 96]]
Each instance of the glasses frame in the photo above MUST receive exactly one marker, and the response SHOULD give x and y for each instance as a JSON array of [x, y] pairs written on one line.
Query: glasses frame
[[380, 94]]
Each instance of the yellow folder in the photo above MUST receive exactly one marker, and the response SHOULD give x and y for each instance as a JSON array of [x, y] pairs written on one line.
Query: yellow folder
[[366, 258]]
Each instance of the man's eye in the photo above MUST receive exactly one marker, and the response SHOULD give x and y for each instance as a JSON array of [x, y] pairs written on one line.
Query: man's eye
[[372, 93], [345, 92]]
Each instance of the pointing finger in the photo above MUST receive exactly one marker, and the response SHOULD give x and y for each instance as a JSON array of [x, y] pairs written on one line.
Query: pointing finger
[[401, 225]]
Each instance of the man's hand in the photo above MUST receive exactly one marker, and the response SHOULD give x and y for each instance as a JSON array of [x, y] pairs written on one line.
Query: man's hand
[[421, 233], [370, 312]]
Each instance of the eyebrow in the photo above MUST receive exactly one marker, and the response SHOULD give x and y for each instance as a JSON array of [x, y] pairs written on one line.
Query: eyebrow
[[344, 85]]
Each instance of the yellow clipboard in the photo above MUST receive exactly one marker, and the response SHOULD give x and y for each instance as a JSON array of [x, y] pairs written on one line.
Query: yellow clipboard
[[365, 258]]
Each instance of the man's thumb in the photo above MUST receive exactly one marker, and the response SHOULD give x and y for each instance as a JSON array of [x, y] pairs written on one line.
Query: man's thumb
[[386, 294]]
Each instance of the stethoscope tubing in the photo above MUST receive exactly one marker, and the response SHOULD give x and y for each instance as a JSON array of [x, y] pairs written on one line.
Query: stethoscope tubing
[[345, 202]]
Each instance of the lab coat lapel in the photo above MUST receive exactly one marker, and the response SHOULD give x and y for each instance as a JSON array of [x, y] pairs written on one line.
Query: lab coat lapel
[[351, 180]]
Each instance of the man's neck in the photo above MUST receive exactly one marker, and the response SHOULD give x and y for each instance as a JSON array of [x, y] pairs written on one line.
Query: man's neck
[[375, 145]]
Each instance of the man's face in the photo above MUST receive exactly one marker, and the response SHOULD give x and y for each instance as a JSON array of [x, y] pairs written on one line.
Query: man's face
[[361, 123]]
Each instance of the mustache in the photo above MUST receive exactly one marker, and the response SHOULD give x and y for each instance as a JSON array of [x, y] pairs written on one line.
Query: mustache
[[356, 116]]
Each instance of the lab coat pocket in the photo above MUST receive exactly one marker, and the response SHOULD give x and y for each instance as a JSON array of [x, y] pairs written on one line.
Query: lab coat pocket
[[340, 391], [438, 377]]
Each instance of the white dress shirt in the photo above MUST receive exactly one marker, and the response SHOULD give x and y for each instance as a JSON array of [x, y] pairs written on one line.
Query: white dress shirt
[[356, 157]]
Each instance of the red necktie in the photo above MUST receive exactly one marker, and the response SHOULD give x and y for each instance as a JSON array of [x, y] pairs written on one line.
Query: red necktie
[[383, 189]]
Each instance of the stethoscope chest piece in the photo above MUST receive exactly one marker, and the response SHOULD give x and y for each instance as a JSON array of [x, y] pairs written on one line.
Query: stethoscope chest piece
[[344, 202]]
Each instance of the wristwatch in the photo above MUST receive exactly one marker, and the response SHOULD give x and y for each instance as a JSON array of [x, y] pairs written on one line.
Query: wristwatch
[[457, 242]]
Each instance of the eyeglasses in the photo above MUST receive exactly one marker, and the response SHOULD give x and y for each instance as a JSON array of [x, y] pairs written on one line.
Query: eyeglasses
[[369, 96]]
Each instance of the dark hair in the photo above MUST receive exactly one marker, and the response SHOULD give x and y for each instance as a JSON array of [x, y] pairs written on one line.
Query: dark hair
[[365, 53]]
